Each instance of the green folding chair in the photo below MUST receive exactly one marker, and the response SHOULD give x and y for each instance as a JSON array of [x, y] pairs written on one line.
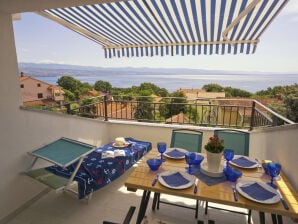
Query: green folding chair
[[235, 139], [238, 141], [190, 140]]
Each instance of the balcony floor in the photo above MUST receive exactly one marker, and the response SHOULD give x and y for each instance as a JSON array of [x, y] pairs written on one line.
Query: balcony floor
[[111, 203]]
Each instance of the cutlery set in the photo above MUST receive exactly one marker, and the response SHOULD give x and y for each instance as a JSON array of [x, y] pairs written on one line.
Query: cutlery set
[[284, 203], [196, 186], [155, 180], [235, 193]]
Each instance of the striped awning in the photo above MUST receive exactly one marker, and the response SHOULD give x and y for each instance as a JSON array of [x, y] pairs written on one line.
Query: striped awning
[[171, 27]]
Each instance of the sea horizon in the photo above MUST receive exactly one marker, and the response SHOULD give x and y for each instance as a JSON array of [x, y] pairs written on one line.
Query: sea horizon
[[170, 79]]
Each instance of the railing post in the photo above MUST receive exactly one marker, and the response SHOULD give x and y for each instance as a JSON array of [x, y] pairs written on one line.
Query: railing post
[[106, 107], [252, 120], [67, 108]]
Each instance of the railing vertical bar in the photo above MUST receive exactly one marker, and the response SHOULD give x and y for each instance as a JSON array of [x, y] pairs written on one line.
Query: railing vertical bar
[[252, 115], [230, 118], [106, 107], [224, 114], [237, 114]]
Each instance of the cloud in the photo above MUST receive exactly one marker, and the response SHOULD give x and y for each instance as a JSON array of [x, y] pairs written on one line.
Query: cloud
[[49, 61], [24, 50]]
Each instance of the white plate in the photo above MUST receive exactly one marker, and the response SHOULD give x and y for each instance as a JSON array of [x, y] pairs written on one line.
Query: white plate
[[247, 167], [121, 146], [212, 173], [187, 176], [244, 183], [179, 149]]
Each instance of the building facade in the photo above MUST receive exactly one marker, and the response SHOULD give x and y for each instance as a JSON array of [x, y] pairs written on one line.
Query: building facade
[[34, 90]]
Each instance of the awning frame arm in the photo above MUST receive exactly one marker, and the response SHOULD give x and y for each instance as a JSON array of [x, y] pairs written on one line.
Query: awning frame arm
[[74, 28], [238, 18]]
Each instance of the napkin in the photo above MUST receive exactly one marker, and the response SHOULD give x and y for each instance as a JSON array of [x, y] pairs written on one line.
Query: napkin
[[244, 162], [118, 152], [107, 154], [257, 192], [175, 180], [175, 153]]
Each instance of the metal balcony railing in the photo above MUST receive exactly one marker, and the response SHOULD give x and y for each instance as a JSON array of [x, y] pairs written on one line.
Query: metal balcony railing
[[172, 110]]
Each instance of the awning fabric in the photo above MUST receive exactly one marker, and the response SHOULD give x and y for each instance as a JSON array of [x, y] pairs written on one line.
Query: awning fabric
[[171, 27]]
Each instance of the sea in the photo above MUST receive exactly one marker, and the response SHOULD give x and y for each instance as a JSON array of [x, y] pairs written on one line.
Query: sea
[[171, 79], [172, 82]]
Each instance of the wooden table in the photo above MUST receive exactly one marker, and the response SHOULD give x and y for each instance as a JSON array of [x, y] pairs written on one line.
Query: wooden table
[[142, 177]]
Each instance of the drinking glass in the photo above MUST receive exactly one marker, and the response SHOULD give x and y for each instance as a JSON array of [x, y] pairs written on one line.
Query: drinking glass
[[229, 155], [190, 158], [161, 146], [274, 171]]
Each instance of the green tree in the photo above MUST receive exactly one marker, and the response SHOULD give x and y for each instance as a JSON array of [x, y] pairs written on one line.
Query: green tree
[[103, 86], [213, 88], [291, 102], [234, 92], [69, 83], [69, 96], [144, 109], [85, 87], [174, 105], [163, 92]]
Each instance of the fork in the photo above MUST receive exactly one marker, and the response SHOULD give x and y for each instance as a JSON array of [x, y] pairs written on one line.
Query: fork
[[235, 193]]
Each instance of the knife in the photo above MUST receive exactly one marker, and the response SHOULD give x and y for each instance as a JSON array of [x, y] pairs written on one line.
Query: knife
[[196, 186], [284, 203], [155, 180], [235, 193]]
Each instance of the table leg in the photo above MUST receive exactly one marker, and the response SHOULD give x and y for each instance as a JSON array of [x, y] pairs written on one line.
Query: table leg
[[276, 219], [262, 217], [143, 206], [279, 219], [155, 198], [273, 217]]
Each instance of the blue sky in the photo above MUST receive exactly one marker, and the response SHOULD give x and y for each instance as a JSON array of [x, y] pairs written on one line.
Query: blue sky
[[40, 40]]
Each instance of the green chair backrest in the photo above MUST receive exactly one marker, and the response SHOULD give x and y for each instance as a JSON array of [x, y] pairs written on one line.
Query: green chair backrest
[[188, 139], [236, 140]]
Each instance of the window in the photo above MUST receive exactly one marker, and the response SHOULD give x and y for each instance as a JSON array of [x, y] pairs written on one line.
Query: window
[[22, 85], [38, 85], [39, 95]]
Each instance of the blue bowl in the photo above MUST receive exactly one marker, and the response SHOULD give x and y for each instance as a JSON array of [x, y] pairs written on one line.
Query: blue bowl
[[232, 174], [198, 160], [154, 164]]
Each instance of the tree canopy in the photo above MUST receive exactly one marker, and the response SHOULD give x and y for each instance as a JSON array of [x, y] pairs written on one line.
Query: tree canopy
[[288, 95]]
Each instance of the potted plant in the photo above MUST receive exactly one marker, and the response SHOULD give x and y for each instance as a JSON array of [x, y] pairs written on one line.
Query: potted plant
[[214, 149]]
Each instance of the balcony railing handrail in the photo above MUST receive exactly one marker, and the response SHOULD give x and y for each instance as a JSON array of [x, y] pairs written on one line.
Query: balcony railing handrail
[[197, 111], [274, 113]]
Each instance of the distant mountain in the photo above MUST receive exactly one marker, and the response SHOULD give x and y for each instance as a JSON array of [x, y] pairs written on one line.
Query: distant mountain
[[61, 69]]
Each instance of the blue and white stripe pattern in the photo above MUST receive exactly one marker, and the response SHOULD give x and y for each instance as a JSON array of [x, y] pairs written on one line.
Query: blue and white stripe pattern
[[171, 27]]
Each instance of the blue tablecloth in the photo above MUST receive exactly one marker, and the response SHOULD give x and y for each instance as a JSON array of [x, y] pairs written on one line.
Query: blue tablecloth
[[96, 172]]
